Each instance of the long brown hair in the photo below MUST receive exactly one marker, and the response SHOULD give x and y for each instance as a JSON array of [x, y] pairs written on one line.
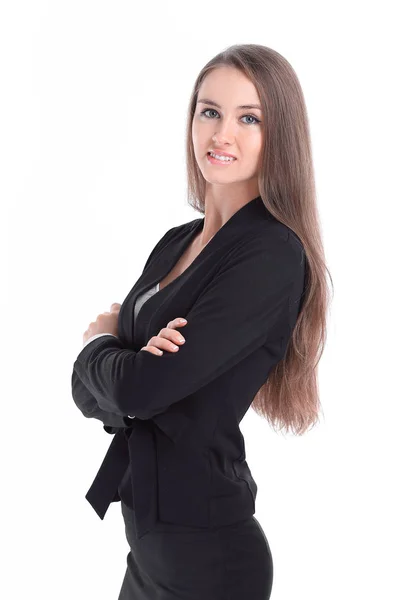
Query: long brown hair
[[290, 396]]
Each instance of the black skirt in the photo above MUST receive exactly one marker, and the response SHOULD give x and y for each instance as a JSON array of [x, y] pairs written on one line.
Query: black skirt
[[174, 562]]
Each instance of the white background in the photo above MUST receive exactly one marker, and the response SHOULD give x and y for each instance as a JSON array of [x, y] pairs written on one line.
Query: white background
[[94, 98]]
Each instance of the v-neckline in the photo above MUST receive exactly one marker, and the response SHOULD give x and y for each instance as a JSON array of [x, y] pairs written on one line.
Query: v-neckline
[[254, 204], [198, 227], [161, 266], [191, 239], [140, 289]]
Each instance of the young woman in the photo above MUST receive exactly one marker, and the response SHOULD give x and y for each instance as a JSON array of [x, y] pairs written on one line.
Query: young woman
[[249, 281]]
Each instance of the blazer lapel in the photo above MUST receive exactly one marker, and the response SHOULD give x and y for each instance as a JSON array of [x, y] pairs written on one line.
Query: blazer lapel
[[163, 262], [158, 268]]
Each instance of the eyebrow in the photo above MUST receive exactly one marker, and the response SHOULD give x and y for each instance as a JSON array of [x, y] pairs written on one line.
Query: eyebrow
[[207, 101]]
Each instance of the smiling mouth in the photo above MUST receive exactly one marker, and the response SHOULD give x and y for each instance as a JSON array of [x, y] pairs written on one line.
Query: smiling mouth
[[222, 160]]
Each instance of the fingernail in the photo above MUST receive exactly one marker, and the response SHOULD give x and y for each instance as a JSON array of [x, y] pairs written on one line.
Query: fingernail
[[182, 321]]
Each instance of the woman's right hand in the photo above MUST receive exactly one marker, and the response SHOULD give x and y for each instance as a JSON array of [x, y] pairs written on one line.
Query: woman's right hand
[[167, 339]]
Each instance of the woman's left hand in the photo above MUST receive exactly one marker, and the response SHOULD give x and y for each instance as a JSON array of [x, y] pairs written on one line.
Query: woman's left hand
[[107, 322]]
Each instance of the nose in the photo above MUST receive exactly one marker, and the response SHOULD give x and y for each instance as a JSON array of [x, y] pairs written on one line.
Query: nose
[[225, 133]]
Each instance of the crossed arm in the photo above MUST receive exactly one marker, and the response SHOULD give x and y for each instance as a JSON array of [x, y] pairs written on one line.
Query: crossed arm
[[85, 399], [89, 407], [250, 301]]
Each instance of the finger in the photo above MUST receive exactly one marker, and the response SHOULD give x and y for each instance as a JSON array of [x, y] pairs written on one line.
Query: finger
[[171, 334], [164, 343], [178, 322], [152, 350]]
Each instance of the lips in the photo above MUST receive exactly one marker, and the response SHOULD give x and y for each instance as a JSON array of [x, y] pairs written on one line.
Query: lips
[[221, 153], [224, 163]]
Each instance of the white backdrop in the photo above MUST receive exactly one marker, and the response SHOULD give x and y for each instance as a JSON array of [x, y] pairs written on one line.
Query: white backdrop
[[94, 98]]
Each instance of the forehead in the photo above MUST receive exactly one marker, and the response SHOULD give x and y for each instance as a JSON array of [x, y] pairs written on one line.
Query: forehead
[[226, 86]]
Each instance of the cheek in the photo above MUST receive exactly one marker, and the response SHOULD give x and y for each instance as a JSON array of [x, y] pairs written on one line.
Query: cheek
[[201, 137], [200, 131], [251, 148], [256, 146], [196, 135]]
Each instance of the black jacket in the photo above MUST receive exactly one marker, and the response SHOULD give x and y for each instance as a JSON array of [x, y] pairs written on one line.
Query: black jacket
[[241, 297]]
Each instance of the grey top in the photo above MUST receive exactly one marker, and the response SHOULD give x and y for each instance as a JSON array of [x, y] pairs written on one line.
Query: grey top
[[143, 297], [140, 300]]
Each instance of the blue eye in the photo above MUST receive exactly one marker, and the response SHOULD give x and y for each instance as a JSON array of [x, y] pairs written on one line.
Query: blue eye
[[203, 112]]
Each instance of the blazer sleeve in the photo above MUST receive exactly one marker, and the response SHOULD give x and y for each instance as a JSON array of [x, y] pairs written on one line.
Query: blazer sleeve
[[88, 406], [95, 336], [249, 302], [83, 398]]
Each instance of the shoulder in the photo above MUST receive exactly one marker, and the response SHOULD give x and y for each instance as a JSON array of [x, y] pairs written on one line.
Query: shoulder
[[279, 261], [284, 244], [265, 261], [280, 233], [272, 243]]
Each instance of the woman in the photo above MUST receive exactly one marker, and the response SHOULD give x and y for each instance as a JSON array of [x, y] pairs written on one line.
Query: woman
[[249, 280]]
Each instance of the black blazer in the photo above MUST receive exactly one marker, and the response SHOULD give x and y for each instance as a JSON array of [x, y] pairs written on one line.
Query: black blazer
[[241, 298]]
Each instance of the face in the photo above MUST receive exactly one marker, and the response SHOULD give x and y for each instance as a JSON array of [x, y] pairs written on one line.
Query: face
[[220, 125]]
